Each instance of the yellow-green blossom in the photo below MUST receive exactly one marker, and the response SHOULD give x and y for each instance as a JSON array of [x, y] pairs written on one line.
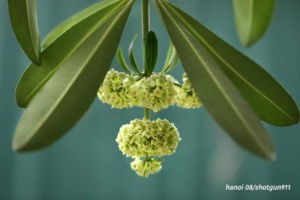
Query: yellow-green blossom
[[186, 95], [143, 138], [115, 89], [155, 92], [146, 167]]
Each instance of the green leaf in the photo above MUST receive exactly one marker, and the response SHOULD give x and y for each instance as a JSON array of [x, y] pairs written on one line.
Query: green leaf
[[267, 97], [171, 60], [61, 49], [151, 52], [219, 96], [24, 23], [75, 19], [252, 19], [70, 91], [132, 58], [122, 61]]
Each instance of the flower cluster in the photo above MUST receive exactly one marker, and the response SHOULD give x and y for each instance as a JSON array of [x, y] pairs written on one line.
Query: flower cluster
[[145, 141], [155, 92], [115, 89], [142, 138], [186, 95], [146, 167]]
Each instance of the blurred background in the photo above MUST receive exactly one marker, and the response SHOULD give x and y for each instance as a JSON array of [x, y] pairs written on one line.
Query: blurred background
[[87, 164]]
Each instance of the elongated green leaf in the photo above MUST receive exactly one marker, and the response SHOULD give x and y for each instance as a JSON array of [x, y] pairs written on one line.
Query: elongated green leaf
[[75, 19], [267, 97], [252, 19], [24, 23], [122, 61], [220, 97], [71, 90], [171, 59], [57, 52], [151, 51], [132, 58]]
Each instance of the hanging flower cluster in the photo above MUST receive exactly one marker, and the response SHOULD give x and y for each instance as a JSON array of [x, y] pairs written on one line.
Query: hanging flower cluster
[[146, 167], [144, 140], [186, 96], [116, 88], [156, 92]]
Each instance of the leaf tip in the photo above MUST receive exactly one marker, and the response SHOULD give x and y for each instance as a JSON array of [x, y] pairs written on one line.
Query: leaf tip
[[16, 145], [273, 157]]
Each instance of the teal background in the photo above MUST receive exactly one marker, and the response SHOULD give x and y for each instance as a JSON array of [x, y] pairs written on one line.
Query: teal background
[[87, 165]]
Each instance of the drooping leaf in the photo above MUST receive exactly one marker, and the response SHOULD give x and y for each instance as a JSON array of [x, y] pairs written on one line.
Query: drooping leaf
[[252, 19], [57, 52], [268, 98], [122, 61], [75, 19], [70, 91], [220, 97], [151, 51], [171, 59], [132, 58], [24, 23]]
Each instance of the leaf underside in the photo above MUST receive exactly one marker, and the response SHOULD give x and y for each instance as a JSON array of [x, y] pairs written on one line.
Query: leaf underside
[[268, 98], [219, 96], [75, 19], [252, 19], [70, 91], [24, 23], [61, 49]]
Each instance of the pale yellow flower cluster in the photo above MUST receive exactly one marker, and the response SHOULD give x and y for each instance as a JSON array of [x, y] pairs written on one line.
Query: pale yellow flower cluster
[[186, 95], [115, 89], [143, 138], [147, 140], [146, 167], [156, 92]]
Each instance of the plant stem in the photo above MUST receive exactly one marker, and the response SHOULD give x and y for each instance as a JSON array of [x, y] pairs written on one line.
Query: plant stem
[[145, 18], [145, 29], [146, 113]]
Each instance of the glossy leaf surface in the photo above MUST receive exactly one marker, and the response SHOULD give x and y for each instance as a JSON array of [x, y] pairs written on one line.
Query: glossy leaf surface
[[70, 91], [59, 51], [268, 98], [151, 51], [219, 96], [75, 19], [24, 23], [252, 19]]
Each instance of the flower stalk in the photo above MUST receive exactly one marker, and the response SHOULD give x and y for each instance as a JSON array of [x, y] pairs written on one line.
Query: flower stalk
[[145, 30]]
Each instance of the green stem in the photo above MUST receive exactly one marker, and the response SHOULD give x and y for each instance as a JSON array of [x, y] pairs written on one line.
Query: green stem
[[145, 30], [145, 18], [146, 113]]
